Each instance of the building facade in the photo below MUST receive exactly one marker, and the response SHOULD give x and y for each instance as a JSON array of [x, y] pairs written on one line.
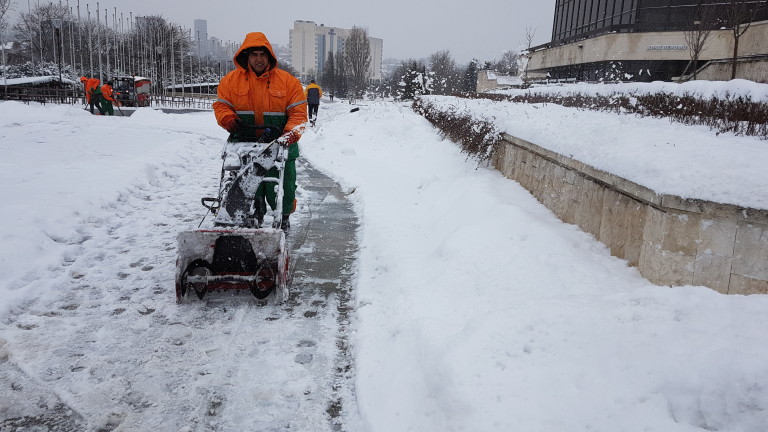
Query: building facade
[[644, 40], [310, 45], [200, 33]]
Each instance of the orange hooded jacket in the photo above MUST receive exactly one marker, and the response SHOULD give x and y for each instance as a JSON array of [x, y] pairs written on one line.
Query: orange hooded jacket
[[276, 98], [91, 84], [107, 93]]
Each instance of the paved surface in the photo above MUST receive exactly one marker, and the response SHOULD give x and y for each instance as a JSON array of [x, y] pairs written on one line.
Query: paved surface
[[324, 251]]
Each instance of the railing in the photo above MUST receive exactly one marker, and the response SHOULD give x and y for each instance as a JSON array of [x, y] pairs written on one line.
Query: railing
[[181, 102], [41, 95], [76, 97]]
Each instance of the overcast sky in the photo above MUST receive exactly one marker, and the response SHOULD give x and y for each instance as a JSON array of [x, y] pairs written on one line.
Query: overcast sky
[[410, 28]]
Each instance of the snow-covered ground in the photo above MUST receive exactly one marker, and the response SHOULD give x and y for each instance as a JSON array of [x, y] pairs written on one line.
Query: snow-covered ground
[[701, 89], [667, 157], [475, 308]]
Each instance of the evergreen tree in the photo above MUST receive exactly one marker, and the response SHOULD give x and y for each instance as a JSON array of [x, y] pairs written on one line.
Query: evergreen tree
[[341, 77], [328, 80], [443, 68], [470, 77]]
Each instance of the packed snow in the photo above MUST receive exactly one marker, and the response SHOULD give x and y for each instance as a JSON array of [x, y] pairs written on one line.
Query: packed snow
[[476, 309]]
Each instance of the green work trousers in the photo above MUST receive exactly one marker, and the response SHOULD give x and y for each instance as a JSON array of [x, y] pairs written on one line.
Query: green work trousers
[[267, 190], [106, 106]]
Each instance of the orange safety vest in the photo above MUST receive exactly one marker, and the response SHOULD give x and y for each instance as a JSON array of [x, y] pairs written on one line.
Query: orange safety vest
[[106, 91]]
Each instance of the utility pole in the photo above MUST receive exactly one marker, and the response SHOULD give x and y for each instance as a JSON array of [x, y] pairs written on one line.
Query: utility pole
[[106, 41], [56, 41], [80, 40], [31, 45], [90, 37], [98, 41]]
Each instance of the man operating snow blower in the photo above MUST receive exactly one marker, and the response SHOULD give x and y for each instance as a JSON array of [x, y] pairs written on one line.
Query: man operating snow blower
[[257, 93], [263, 109]]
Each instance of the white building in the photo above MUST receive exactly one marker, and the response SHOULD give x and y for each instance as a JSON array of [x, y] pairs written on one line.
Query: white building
[[310, 44]]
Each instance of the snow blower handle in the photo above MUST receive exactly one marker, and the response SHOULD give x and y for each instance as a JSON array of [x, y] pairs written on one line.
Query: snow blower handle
[[266, 134]]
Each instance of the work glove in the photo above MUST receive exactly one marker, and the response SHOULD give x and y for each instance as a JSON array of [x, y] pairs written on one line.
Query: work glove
[[231, 123], [289, 138]]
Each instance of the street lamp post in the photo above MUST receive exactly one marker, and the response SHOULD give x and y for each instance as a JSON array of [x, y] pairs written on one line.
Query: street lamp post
[[160, 73], [57, 42]]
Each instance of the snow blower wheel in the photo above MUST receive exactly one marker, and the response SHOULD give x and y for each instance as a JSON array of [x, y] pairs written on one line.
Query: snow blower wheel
[[196, 279], [265, 282]]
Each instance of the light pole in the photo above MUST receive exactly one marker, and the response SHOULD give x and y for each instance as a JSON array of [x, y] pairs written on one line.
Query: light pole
[[57, 33], [159, 67]]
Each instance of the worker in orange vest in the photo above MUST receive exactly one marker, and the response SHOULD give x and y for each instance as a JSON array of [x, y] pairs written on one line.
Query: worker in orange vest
[[92, 93], [108, 98]]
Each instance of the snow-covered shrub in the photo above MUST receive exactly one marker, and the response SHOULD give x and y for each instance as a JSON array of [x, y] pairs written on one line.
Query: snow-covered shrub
[[477, 138]]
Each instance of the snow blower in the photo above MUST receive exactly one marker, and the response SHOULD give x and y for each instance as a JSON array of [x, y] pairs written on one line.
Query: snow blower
[[246, 247]]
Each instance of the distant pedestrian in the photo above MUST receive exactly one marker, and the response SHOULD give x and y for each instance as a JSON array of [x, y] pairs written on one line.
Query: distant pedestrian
[[331, 96], [107, 99], [92, 93], [313, 93]]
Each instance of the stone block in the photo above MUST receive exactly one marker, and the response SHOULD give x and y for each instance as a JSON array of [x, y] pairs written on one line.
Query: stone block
[[717, 236], [750, 254], [655, 226], [666, 268], [681, 233], [712, 271], [746, 285], [637, 214], [621, 226], [590, 207]]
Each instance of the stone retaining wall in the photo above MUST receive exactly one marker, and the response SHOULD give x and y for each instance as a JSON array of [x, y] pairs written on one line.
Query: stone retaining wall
[[671, 240]]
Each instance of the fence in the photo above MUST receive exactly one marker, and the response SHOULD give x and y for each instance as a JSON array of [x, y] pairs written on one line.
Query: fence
[[76, 97], [41, 95]]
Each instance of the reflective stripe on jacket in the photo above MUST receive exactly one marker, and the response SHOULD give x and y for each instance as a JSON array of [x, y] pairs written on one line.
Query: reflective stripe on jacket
[[106, 92]]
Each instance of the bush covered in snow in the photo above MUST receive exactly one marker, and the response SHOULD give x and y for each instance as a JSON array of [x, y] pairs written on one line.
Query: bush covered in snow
[[735, 112], [478, 138]]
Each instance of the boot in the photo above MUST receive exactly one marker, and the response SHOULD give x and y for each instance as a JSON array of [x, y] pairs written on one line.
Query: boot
[[285, 224]]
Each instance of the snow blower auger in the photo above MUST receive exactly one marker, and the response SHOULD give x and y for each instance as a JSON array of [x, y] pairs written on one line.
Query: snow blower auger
[[246, 248]]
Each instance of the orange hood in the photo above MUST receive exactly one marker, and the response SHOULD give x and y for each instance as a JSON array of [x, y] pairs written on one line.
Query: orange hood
[[253, 40]]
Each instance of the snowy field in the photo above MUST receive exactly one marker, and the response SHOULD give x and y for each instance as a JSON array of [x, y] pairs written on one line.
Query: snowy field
[[476, 308]]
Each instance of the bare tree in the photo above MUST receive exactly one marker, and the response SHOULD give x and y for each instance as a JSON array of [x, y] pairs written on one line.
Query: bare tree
[[508, 65], [5, 6], [37, 27], [697, 37], [529, 35], [740, 15], [357, 52]]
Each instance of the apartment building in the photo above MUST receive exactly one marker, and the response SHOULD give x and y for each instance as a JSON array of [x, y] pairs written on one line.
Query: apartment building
[[310, 43]]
